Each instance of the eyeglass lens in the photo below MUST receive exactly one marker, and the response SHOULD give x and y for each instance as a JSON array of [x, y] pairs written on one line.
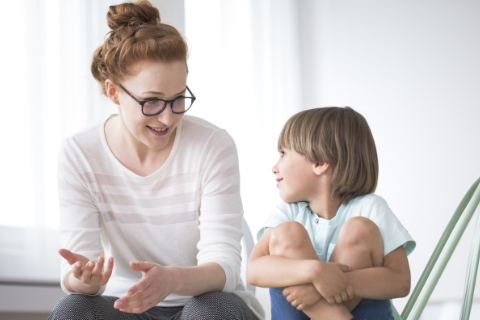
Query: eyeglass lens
[[179, 105]]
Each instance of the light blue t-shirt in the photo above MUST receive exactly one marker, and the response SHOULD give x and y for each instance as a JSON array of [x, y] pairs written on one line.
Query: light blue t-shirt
[[324, 233]]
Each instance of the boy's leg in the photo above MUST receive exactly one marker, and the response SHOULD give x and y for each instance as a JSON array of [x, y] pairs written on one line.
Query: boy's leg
[[359, 246], [291, 240]]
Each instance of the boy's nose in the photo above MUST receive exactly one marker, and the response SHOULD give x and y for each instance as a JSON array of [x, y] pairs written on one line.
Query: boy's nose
[[274, 169]]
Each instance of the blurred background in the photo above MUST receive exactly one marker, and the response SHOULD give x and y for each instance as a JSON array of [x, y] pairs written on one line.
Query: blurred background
[[411, 68]]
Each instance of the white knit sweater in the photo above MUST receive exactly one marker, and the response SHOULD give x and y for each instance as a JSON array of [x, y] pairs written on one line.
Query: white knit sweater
[[186, 213]]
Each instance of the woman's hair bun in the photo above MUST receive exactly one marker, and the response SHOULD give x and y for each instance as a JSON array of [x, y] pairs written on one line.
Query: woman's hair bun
[[132, 14]]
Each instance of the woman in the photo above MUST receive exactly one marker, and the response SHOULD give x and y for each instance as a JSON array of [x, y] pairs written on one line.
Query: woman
[[156, 190]]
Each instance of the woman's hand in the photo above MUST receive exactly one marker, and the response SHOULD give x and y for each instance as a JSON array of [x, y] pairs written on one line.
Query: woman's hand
[[156, 284], [87, 275], [331, 282], [302, 296]]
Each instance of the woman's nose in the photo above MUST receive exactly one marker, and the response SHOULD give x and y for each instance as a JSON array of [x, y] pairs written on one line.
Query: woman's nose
[[166, 116]]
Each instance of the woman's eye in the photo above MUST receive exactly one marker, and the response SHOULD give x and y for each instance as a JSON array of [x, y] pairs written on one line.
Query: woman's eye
[[155, 102]]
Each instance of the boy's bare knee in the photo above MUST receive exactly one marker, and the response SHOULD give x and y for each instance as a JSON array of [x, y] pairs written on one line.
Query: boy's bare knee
[[358, 230], [286, 237], [359, 245]]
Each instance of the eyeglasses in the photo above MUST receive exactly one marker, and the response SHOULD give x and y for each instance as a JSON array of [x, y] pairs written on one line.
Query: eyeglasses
[[152, 107]]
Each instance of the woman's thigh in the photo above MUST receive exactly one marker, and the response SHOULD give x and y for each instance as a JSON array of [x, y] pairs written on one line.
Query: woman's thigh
[[85, 307], [217, 305]]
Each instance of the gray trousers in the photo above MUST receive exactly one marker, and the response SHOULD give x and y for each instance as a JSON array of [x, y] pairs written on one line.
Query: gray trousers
[[212, 305]]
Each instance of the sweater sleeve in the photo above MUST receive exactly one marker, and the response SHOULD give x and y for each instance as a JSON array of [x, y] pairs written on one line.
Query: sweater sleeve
[[221, 208], [79, 216]]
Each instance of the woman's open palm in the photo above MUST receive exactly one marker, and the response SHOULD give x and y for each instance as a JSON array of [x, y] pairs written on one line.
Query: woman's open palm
[[91, 274]]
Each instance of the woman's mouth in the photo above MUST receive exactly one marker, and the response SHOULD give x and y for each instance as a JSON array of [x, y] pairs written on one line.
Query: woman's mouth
[[158, 131]]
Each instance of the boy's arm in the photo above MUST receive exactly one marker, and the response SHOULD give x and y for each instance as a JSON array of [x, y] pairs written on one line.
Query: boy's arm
[[392, 280], [265, 270]]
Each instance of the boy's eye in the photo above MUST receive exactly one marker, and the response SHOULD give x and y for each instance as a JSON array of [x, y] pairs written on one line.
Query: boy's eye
[[282, 153]]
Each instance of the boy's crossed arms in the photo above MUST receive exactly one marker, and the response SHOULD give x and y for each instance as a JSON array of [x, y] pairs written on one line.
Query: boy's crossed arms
[[284, 257]]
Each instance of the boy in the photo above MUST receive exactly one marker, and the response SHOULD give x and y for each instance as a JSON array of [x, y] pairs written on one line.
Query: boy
[[331, 249]]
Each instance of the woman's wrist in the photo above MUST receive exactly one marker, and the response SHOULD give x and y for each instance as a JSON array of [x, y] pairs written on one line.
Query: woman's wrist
[[175, 279], [73, 284]]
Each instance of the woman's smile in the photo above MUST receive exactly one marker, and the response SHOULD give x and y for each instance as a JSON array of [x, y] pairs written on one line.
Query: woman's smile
[[159, 131]]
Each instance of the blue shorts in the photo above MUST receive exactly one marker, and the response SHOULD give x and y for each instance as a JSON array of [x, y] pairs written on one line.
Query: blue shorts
[[367, 309]]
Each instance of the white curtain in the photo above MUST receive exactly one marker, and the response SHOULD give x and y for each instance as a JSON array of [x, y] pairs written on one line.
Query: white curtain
[[48, 94], [245, 70]]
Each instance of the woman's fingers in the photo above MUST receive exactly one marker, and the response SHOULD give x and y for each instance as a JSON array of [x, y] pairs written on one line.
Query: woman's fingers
[[108, 272], [143, 284], [87, 271], [138, 300], [67, 255], [97, 270], [77, 270], [139, 306]]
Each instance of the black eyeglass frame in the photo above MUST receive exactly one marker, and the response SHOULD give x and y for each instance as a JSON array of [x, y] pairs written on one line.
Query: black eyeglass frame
[[142, 102]]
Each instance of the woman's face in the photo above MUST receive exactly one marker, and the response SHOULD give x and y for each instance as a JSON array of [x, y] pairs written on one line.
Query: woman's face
[[151, 80]]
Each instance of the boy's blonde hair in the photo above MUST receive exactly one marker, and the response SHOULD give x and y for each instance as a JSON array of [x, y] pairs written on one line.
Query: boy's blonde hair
[[340, 137]]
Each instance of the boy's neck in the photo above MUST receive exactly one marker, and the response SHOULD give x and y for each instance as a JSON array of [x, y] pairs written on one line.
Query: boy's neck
[[325, 207]]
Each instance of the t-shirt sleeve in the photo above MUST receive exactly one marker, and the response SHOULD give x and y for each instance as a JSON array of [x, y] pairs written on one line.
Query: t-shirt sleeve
[[79, 216], [393, 232], [221, 209], [282, 212]]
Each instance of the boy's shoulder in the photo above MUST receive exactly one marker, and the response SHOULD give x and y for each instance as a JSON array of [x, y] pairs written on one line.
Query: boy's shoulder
[[368, 199], [367, 205]]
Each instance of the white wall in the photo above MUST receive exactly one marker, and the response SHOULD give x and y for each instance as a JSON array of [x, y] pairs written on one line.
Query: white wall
[[412, 68], [172, 12]]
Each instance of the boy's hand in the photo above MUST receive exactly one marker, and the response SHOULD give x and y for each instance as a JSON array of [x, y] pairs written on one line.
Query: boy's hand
[[302, 296], [331, 282]]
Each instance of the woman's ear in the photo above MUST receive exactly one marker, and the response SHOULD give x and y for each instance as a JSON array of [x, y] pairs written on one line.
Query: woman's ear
[[112, 92], [320, 168]]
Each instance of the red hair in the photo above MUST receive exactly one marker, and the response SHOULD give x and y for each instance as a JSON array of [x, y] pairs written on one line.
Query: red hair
[[137, 35]]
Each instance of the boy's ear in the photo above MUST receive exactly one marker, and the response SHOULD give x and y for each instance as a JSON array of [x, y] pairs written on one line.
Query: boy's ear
[[112, 92], [320, 167]]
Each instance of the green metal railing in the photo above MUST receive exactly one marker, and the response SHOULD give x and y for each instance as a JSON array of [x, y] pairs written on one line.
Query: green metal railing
[[442, 253]]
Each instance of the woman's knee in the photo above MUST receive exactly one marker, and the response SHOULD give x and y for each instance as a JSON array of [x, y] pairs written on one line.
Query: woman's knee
[[80, 306], [287, 237], [217, 305]]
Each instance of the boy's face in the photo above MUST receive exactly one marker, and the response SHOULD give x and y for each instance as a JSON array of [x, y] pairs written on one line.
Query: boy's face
[[296, 178]]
